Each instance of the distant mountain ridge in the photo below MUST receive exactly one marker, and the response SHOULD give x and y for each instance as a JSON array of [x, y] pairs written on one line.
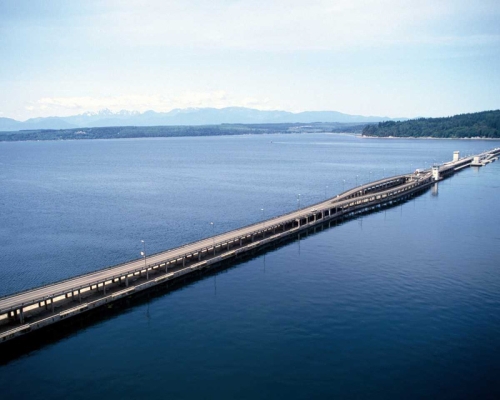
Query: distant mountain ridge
[[188, 116]]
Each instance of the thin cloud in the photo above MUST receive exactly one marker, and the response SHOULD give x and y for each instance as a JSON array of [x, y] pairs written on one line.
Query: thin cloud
[[384, 57], [73, 105], [289, 25]]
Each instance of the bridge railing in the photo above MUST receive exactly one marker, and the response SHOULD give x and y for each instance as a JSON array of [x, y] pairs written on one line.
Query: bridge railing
[[339, 204], [90, 273]]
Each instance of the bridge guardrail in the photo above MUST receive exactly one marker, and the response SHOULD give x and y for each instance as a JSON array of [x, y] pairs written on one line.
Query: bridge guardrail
[[338, 198]]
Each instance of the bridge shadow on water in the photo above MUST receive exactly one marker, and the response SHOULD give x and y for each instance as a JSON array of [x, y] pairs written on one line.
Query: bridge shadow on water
[[52, 334]]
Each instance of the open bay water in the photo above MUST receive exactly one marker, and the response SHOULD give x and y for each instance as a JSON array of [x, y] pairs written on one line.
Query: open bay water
[[403, 303]]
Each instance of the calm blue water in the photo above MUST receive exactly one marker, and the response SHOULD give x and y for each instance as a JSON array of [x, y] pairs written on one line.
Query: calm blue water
[[404, 303]]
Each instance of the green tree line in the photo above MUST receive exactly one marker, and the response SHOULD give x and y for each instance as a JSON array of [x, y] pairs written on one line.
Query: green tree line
[[484, 124], [122, 132]]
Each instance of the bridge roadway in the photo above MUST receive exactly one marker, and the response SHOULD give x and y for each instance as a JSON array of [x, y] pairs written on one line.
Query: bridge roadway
[[364, 196], [207, 245], [36, 295]]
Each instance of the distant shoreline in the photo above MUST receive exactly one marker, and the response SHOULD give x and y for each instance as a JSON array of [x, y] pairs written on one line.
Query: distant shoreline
[[427, 137], [129, 132], [243, 134]]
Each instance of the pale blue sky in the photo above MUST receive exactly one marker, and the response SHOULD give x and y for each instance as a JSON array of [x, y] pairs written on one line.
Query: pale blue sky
[[381, 57]]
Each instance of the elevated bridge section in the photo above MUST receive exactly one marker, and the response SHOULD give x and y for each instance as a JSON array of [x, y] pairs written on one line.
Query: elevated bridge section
[[31, 310]]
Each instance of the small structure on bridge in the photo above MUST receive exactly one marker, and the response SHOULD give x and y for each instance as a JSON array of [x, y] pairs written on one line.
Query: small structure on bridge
[[477, 162], [435, 172], [456, 155]]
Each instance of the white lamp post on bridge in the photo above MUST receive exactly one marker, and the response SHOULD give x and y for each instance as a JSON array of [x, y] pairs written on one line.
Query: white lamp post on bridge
[[213, 235], [143, 253]]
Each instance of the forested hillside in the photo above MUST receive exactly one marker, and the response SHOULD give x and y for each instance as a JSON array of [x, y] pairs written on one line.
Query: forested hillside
[[122, 132], [484, 124]]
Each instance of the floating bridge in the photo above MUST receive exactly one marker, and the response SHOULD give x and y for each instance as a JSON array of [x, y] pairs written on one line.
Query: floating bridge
[[30, 310]]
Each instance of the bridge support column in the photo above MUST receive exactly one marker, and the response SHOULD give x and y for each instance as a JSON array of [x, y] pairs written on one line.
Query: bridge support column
[[52, 303], [126, 281], [147, 274], [104, 288], [21, 315], [240, 242], [184, 261], [199, 257], [79, 296]]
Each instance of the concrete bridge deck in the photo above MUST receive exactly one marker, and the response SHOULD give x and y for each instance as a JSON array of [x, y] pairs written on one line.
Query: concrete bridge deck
[[32, 309]]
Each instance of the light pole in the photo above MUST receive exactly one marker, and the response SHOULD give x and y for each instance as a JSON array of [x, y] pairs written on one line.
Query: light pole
[[213, 236], [143, 253], [263, 220]]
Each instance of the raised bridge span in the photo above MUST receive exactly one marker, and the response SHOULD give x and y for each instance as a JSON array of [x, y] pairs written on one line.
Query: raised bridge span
[[28, 311]]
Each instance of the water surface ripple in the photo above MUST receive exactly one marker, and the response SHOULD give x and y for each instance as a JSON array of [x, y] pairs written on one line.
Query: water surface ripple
[[403, 303]]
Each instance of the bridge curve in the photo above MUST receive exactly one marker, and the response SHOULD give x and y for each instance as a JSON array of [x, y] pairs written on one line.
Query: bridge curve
[[32, 309]]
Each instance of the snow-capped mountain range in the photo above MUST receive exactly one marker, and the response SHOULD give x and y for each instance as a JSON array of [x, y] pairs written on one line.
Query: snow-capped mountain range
[[188, 116]]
